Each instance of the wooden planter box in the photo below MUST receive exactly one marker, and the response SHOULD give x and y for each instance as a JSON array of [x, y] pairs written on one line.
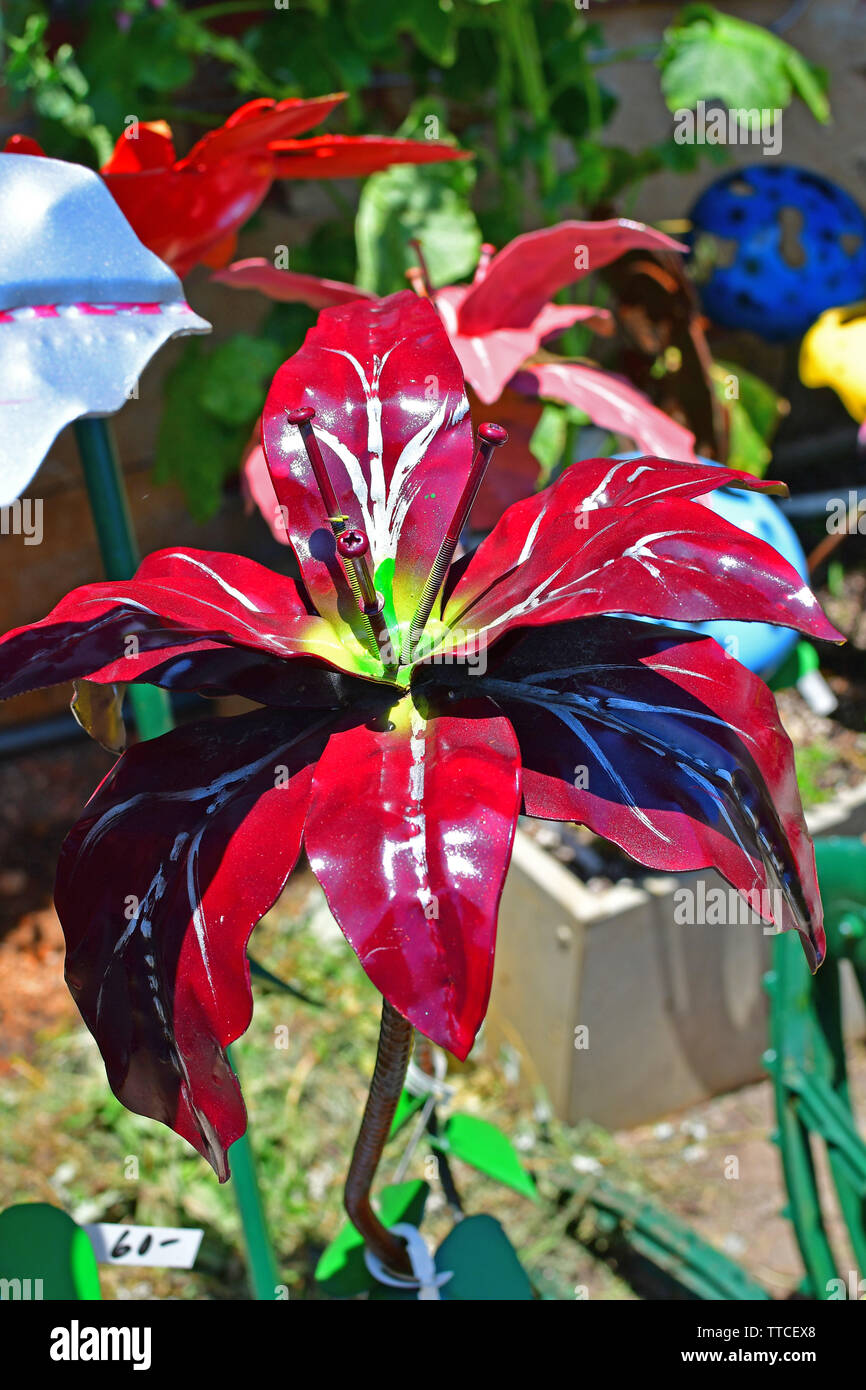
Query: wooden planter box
[[620, 1013]]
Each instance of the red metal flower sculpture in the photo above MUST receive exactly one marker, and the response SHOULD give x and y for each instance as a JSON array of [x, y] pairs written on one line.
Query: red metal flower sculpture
[[497, 326], [190, 210], [401, 733]]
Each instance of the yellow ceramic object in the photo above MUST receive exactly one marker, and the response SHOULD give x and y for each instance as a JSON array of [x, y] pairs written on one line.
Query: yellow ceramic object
[[833, 354]]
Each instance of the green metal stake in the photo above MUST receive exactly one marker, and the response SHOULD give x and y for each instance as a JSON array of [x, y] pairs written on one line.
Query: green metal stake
[[112, 521], [109, 507], [260, 1255]]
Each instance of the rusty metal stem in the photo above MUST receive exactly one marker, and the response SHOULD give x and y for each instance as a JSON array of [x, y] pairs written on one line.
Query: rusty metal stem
[[392, 1060]]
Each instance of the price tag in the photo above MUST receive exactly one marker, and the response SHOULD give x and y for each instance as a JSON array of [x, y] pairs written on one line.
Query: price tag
[[169, 1247]]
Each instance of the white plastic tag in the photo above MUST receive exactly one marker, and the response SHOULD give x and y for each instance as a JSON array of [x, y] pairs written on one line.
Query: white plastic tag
[[168, 1247]]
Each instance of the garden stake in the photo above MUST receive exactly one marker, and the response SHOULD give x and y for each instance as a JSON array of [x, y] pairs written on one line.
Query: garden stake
[[109, 505], [260, 1256], [389, 1073]]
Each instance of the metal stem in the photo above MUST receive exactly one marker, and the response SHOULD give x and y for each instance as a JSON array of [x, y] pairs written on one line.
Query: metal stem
[[389, 1073]]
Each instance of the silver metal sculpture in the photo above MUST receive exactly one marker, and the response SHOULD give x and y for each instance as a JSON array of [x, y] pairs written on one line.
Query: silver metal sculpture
[[83, 308]]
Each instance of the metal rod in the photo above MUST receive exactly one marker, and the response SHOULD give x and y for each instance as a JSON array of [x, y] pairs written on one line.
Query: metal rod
[[389, 1073], [262, 1266], [353, 549], [491, 437], [109, 506]]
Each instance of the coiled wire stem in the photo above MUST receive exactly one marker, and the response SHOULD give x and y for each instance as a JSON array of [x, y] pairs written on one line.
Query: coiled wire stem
[[392, 1061]]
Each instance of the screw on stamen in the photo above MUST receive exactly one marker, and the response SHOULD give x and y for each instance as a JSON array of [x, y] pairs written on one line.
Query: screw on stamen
[[490, 438], [353, 548]]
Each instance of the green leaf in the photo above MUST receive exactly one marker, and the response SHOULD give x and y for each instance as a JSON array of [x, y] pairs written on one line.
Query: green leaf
[[407, 1105], [194, 448], [712, 56], [483, 1264], [267, 977], [548, 437], [429, 202], [377, 23], [341, 1269], [754, 414], [486, 1148], [235, 383], [40, 1242]]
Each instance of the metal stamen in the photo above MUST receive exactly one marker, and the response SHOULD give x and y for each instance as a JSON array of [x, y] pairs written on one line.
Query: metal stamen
[[303, 418], [491, 437], [353, 548], [422, 267], [487, 251]]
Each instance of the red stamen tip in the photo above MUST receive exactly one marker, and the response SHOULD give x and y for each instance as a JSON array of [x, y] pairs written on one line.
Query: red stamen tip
[[352, 545], [492, 434], [300, 415]]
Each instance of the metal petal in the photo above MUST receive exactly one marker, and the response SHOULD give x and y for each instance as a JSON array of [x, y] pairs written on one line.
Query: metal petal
[[158, 888], [392, 420], [665, 745], [409, 833], [83, 308], [529, 271]]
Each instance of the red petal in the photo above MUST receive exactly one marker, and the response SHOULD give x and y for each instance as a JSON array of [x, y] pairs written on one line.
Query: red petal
[[409, 833], [662, 743], [393, 424], [254, 126], [288, 286], [597, 542], [158, 888], [611, 402], [23, 144], [182, 214], [531, 269], [354, 156], [148, 145], [491, 359], [111, 631]]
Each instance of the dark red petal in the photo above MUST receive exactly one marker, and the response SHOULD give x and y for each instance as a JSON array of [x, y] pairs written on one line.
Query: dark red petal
[[392, 421], [179, 853], [666, 559], [409, 833], [531, 269], [189, 599], [661, 742], [353, 156], [288, 286], [610, 402]]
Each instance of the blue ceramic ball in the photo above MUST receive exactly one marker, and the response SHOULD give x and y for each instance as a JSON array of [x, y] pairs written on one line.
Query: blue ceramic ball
[[799, 247]]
